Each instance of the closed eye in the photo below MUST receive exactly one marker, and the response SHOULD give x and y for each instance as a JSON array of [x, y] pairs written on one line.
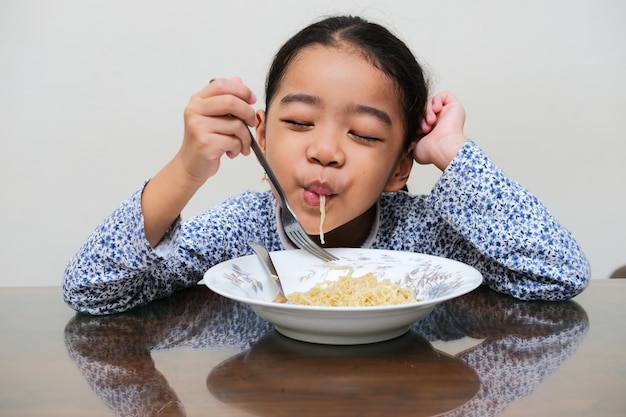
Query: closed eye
[[365, 138], [297, 124]]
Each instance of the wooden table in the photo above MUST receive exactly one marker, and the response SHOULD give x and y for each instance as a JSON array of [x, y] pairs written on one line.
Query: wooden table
[[197, 353]]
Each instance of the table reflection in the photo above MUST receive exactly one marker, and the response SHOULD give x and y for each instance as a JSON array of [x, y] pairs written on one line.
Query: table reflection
[[523, 343], [404, 376]]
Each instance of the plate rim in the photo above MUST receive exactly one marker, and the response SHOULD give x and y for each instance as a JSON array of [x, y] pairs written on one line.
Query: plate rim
[[347, 309]]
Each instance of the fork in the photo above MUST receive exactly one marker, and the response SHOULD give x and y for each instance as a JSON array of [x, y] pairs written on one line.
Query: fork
[[291, 225]]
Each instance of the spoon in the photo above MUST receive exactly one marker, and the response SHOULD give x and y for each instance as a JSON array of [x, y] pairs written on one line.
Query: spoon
[[268, 265]]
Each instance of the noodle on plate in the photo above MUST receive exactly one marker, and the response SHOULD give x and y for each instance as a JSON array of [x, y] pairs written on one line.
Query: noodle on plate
[[348, 291]]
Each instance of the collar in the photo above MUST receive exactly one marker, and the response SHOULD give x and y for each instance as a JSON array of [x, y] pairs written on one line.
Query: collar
[[286, 243]]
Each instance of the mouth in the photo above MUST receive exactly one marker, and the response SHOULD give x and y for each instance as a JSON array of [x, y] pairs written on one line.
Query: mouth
[[313, 192]]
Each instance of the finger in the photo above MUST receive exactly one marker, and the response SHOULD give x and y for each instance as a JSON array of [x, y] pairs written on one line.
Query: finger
[[222, 106], [445, 98], [437, 103], [222, 144], [204, 130], [243, 135], [234, 86], [426, 127], [429, 115]]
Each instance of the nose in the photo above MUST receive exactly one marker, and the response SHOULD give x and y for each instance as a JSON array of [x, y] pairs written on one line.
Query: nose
[[326, 150]]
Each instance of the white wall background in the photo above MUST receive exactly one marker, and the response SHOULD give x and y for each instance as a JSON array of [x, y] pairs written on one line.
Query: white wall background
[[92, 94]]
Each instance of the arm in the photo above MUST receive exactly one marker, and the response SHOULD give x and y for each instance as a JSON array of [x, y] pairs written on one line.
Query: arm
[[134, 255], [215, 124], [506, 232], [116, 268], [496, 225]]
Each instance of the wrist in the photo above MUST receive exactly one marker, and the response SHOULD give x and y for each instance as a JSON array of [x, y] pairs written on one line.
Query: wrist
[[164, 198], [182, 175], [449, 149]]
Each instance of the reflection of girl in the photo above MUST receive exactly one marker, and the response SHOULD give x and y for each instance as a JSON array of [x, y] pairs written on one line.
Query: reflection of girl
[[113, 352], [524, 342], [346, 103]]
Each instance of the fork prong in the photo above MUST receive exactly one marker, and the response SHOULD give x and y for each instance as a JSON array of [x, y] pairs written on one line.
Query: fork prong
[[303, 241]]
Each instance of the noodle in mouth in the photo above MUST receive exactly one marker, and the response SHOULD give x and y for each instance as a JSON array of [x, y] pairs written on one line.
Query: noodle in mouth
[[322, 216], [348, 291]]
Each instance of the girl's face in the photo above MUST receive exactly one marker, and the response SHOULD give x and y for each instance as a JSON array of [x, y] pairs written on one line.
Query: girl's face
[[334, 128]]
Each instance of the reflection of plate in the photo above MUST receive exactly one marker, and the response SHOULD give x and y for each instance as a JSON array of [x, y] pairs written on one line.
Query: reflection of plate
[[434, 279], [400, 377]]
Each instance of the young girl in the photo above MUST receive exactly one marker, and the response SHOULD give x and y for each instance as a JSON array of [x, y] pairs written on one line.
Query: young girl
[[346, 114]]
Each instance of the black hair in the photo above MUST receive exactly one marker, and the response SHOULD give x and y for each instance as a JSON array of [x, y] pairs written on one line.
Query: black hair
[[382, 48]]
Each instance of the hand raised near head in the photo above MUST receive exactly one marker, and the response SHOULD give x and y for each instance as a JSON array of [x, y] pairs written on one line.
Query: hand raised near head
[[442, 127]]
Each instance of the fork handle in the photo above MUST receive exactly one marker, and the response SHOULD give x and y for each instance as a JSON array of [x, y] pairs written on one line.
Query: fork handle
[[261, 157]]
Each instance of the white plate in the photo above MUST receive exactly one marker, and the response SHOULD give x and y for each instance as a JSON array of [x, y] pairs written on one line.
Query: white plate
[[434, 280]]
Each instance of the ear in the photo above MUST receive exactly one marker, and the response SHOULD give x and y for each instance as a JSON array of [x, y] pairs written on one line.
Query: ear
[[261, 129], [401, 173]]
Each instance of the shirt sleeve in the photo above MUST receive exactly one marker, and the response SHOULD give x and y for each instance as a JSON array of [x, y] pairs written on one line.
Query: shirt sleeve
[[507, 233], [117, 268]]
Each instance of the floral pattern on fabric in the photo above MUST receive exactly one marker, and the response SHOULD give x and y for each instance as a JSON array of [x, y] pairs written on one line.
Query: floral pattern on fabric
[[475, 214]]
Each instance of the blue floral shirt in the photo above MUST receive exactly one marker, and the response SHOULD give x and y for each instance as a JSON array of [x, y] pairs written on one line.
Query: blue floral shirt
[[475, 214]]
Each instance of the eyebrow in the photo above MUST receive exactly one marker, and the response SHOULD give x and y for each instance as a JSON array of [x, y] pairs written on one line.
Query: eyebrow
[[372, 111], [302, 98], [356, 108]]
